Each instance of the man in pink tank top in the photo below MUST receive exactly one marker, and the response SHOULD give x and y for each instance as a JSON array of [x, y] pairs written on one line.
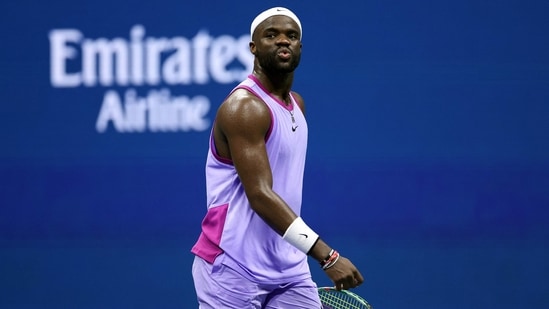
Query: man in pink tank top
[[253, 247]]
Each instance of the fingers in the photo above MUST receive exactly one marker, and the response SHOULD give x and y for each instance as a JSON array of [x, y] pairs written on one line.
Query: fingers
[[345, 275], [358, 278], [349, 282]]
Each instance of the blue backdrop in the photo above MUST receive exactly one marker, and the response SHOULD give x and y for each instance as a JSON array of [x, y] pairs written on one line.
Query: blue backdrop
[[428, 162]]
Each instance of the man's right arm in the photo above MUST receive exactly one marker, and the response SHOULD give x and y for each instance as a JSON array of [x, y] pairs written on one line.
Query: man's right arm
[[242, 122]]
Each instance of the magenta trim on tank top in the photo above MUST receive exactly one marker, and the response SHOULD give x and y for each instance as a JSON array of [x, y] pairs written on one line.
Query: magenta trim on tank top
[[270, 111], [214, 151], [277, 100], [212, 143], [207, 246]]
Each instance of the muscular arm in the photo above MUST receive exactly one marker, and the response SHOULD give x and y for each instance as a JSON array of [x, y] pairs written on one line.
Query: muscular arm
[[242, 123]]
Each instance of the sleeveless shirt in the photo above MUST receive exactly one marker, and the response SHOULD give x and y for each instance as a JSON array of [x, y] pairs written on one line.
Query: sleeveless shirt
[[231, 226]]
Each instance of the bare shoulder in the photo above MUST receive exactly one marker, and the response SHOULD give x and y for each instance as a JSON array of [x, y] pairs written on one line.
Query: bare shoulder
[[243, 111], [299, 100]]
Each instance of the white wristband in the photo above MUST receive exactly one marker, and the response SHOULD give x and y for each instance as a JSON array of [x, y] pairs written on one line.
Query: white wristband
[[300, 235]]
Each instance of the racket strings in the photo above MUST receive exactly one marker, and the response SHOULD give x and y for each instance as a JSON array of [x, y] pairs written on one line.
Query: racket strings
[[340, 300]]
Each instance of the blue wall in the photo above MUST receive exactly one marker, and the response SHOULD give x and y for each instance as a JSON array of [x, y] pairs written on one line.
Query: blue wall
[[428, 158]]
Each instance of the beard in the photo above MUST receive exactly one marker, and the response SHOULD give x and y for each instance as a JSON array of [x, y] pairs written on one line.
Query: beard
[[272, 64]]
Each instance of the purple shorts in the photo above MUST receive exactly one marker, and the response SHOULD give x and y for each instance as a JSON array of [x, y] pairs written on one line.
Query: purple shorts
[[219, 286]]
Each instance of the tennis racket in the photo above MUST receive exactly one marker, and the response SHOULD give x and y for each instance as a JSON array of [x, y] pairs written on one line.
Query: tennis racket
[[334, 299]]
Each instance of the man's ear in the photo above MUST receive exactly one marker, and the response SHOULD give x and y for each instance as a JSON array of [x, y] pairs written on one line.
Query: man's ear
[[252, 47]]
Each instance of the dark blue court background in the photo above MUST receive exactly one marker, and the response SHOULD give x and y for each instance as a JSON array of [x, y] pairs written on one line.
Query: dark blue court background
[[428, 158]]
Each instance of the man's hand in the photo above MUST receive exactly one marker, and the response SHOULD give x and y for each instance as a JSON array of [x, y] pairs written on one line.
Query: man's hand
[[344, 274]]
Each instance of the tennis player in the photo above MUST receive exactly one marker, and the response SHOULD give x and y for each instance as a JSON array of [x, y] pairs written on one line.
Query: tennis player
[[252, 250]]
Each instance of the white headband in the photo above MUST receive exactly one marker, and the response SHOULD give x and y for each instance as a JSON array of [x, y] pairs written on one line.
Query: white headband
[[272, 12]]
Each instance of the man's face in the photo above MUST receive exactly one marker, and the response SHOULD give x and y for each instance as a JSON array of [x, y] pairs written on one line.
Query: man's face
[[277, 44]]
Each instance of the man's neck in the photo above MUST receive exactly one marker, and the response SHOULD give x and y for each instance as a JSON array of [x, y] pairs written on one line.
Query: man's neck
[[277, 84]]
